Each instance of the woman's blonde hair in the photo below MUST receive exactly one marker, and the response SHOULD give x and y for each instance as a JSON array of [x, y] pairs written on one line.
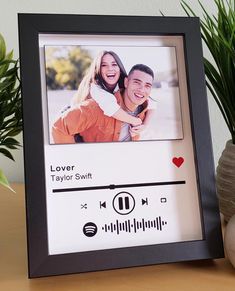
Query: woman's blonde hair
[[94, 76]]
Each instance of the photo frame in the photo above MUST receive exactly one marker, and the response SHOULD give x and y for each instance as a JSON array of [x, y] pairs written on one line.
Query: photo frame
[[104, 193]]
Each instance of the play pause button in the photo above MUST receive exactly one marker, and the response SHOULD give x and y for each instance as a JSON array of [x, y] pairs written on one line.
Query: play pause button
[[123, 203]]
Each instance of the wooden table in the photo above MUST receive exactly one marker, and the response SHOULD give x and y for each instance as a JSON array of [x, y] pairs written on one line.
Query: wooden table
[[202, 275]]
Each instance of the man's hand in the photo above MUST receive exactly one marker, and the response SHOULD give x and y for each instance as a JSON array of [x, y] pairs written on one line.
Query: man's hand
[[136, 130]]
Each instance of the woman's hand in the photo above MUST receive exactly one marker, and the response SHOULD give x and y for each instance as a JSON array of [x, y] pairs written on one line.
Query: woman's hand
[[136, 121]]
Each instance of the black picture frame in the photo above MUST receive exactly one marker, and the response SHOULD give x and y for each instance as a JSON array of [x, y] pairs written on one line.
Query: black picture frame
[[40, 263]]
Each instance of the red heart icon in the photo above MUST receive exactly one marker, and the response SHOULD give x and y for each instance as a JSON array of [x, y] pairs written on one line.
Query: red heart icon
[[178, 161]]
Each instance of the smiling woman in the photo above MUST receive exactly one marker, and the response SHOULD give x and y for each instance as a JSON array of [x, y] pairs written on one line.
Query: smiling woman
[[110, 71], [97, 74]]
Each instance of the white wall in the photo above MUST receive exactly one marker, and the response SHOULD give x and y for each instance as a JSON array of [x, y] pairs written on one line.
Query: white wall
[[9, 29]]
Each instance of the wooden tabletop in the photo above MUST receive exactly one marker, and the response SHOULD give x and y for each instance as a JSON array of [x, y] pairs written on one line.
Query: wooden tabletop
[[201, 275]]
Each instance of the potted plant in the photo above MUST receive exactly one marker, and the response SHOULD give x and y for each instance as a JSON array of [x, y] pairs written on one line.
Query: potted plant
[[10, 105], [218, 33]]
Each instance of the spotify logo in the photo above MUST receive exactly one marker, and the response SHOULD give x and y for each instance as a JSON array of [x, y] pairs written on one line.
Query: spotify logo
[[90, 229]]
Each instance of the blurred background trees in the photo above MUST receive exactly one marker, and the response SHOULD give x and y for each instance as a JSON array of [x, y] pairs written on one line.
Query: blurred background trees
[[66, 66]]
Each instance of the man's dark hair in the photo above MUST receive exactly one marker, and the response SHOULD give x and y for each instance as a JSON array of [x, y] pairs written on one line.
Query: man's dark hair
[[142, 68]]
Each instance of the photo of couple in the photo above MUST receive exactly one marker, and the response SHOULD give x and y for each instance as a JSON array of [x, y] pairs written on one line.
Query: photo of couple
[[109, 105]]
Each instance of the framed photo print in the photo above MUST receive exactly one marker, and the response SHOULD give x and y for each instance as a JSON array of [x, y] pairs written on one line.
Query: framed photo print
[[118, 158]]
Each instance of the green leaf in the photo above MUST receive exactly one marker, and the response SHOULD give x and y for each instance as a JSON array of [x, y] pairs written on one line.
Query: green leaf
[[2, 48], [6, 84], [9, 56], [7, 154], [4, 65], [14, 131], [11, 72], [11, 141], [13, 145], [4, 181], [4, 62]]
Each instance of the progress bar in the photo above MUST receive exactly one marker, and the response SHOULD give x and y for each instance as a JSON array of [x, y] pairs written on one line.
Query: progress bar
[[113, 186]]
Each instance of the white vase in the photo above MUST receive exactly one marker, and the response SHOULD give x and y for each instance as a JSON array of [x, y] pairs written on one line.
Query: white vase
[[225, 181]]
